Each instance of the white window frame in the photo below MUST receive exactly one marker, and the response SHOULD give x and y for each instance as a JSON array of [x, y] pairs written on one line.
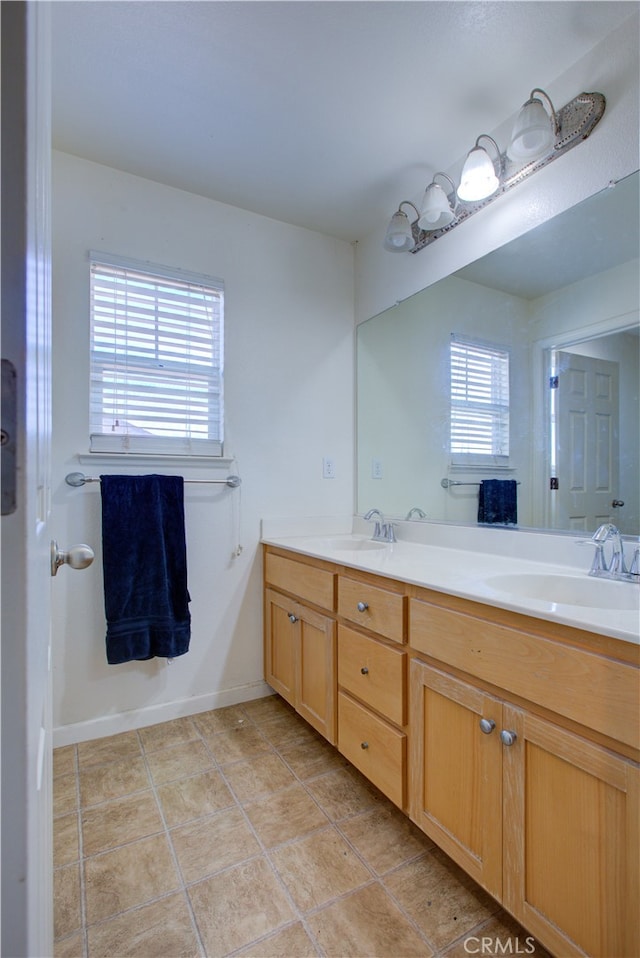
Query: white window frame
[[479, 399], [129, 346]]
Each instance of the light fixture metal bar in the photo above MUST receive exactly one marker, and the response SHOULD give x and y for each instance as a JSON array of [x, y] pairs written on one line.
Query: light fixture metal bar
[[576, 121]]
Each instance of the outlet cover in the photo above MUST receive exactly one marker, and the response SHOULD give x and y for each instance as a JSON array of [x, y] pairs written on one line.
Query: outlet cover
[[376, 468], [328, 468]]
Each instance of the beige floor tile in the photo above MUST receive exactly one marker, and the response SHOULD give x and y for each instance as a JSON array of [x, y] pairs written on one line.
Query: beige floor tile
[[161, 930], [167, 734], [66, 844], [128, 876], [344, 792], [385, 838], [288, 814], [64, 760], [101, 783], [366, 924], [239, 905], [267, 709], [113, 748], [194, 797], [442, 900], [66, 894], [211, 844], [310, 759], [284, 944], [168, 764], [237, 743], [123, 820], [501, 935], [208, 723], [65, 794], [285, 731], [319, 868], [71, 947], [258, 777]]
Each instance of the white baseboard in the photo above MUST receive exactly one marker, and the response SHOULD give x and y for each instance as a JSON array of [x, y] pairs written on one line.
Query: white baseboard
[[153, 714]]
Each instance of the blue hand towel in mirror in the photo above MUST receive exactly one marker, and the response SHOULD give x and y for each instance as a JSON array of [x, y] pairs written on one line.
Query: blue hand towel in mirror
[[497, 502], [145, 567]]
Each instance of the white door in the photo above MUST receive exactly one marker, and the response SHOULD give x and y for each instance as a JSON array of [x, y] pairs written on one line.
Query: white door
[[27, 926], [587, 441]]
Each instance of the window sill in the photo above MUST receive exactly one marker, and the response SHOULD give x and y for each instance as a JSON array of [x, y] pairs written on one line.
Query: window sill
[[109, 458]]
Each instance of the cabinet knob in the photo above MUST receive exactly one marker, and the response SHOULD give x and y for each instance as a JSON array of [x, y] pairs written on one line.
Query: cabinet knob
[[487, 726], [362, 606], [364, 745], [507, 737], [292, 617], [364, 670]]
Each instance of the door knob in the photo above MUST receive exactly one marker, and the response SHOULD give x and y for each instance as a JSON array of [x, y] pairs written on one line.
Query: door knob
[[507, 737], [78, 557], [487, 726], [362, 606]]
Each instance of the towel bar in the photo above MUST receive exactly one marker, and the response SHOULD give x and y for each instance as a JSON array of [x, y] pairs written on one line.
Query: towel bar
[[445, 483], [79, 479]]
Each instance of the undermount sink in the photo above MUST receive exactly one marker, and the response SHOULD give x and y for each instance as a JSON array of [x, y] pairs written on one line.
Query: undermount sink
[[349, 544], [569, 590]]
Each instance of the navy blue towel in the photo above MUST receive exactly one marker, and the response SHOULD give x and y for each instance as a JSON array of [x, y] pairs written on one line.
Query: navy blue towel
[[145, 567], [497, 502]]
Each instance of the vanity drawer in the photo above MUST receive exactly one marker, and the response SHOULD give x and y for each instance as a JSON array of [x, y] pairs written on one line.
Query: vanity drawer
[[305, 581], [374, 673], [372, 607], [375, 748], [598, 692]]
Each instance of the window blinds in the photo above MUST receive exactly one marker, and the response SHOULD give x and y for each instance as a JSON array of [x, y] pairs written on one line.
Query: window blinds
[[479, 402], [156, 361]]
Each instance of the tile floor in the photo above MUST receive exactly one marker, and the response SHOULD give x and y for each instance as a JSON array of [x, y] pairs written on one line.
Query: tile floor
[[242, 832]]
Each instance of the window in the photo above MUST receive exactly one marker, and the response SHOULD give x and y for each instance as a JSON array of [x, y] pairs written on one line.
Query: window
[[156, 359], [479, 433]]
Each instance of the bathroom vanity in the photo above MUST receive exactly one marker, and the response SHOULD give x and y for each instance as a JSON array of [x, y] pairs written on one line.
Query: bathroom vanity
[[507, 728]]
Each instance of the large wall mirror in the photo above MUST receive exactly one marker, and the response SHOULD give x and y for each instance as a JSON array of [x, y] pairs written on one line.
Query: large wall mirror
[[561, 303]]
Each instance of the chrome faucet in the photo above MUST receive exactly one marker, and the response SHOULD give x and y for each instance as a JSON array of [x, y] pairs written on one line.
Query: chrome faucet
[[416, 511], [382, 531], [616, 567]]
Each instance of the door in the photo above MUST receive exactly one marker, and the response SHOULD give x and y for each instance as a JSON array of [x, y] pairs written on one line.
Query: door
[[280, 644], [571, 840], [587, 442], [316, 649], [456, 771], [27, 925]]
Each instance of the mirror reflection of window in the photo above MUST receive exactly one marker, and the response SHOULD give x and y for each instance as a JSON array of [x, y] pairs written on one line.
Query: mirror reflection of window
[[479, 426]]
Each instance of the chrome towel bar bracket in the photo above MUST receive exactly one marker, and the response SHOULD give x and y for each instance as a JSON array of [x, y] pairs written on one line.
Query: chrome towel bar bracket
[[79, 479]]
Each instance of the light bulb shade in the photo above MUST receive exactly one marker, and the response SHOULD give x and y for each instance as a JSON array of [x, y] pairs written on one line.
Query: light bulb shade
[[478, 179], [399, 236], [436, 210], [533, 132]]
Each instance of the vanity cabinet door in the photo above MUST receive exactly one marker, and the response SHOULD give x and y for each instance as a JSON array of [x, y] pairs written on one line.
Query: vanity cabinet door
[[456, 771], [571, 840], [300, 660]]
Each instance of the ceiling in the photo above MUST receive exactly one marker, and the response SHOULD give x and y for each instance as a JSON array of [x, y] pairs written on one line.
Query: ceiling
[[320, 114]]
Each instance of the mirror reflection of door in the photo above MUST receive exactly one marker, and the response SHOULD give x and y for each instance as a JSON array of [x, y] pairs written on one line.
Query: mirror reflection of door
[[586, 438]]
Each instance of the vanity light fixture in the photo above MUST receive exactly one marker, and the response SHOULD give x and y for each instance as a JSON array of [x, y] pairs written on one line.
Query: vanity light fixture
[[438, 207], [479, 179], [540, 135], [399, 236], [534, 131]]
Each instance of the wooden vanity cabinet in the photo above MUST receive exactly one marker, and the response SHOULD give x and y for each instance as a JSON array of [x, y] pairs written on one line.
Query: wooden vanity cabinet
[[300, 641], [542, 814]]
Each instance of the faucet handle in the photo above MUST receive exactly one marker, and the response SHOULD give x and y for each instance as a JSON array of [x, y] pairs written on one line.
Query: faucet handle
[[635, 562]]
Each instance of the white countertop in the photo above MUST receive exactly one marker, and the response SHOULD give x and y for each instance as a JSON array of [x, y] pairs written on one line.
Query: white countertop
[[468, 574]]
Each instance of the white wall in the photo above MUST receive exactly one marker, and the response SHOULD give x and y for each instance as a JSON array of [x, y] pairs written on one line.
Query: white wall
[[610, 153], [289, 402]]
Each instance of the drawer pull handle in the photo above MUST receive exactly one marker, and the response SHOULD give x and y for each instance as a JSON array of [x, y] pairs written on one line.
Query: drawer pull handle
[[364, 745], [487, 726], [362, 606], [507, 737], [364, 670], [292, 617]]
